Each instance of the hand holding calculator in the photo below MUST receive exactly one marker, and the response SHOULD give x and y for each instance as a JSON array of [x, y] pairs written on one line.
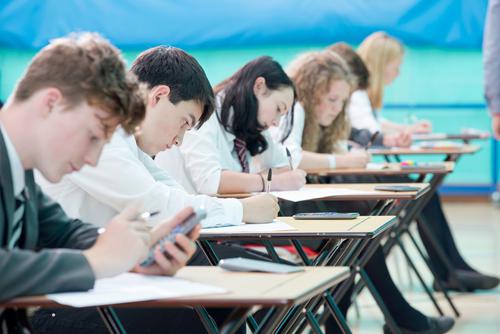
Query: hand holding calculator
[[184, 228]]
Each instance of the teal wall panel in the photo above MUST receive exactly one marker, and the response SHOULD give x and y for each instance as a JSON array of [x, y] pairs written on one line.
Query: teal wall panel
[[428, 75]]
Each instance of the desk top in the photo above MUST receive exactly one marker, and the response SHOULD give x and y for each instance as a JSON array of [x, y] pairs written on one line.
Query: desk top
[[392, 168], [362, 187], [245, 289], [451, 136], [365, 227], [465, 149]]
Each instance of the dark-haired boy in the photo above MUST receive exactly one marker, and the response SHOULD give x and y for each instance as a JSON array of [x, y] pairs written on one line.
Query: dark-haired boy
[[179, 98]]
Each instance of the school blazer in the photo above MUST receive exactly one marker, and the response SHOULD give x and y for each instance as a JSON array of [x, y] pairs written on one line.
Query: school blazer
[[48, 258]]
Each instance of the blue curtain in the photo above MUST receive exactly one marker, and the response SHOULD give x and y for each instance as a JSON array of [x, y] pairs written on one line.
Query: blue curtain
[[234, 23]]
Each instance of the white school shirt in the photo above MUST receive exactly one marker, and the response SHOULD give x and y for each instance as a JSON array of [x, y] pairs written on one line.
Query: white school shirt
[[197, 164], [294, 140], [125, 175], [16, 168], [361, 113]]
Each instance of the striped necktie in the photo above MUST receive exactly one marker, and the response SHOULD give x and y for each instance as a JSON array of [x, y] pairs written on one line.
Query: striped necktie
[[18, 220], [241, 150]]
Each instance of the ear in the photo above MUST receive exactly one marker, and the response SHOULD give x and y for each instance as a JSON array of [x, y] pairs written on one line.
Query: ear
[[49, 98], [157, 93], [259, 87]]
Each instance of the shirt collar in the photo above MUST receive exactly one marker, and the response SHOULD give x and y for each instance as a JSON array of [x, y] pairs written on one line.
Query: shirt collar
[[230, 137], [16, 167]]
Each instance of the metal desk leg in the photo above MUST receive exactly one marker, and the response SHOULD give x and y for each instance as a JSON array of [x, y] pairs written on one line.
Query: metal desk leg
[[337, 314], [273, 321], [206, 320], [208, 251], [419, 277], [111, 320], [438, 283], [235, 320], [388, 318]]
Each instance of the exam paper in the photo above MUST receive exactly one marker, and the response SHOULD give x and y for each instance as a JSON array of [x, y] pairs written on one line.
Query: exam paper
[[315, 193], [428, 136], [130, 287], [276, 225], [377, 166], [437, 145]]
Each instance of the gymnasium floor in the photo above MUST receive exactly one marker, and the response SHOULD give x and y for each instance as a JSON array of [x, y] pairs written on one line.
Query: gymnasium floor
[[476, 227]]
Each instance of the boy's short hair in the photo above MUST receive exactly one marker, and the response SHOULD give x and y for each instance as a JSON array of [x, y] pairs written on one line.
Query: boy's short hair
[[173, 67], [86, 67]]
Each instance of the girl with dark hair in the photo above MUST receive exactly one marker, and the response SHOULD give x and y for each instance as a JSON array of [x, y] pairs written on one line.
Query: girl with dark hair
[[233, 151]]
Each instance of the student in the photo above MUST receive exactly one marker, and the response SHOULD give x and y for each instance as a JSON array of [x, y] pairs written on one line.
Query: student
[[63, 110], [179, 98], [382, 56], [234, 150], [432, 213], [323, 84], [361, 76]]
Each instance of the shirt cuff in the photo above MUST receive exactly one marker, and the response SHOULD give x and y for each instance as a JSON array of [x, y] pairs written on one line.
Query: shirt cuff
[[233, 209], [332, 161]]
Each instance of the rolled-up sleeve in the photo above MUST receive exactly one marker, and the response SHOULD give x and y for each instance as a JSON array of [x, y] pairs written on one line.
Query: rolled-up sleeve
[[121, 178], [491, 54], [202, 161]]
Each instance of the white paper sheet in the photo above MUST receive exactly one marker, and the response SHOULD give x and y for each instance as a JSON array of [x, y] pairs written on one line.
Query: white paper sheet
[[315, 193], [129, 287], [276, 225], [429, 136], [437, 145], [376, 166]]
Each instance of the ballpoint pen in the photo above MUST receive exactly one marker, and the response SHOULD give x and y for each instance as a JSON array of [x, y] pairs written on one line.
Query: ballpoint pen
[[289, 155], [146, 215], [372, 139], [269, 179]]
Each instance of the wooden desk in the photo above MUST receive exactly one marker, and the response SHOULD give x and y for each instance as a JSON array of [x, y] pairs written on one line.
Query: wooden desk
[[246, 290], [347, 243], [466, 149], [466, 137], [452, 154], [377, 195], [267, 289], [391, 168], [361, 227]]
